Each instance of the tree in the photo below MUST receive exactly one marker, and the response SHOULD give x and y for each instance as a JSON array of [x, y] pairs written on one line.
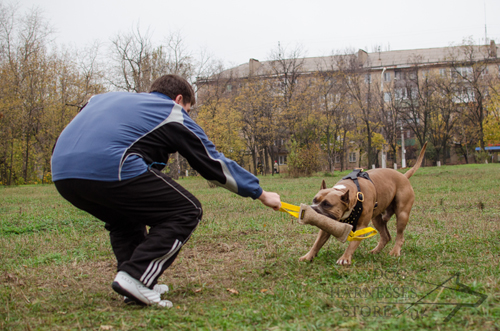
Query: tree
[[135, 57], [329, 87], [492, 121], [472, 80], [26, 64], [41, 89], [286, 67], [223, 125], [294, 113], [362, 95], [138, 62], [443, 117], [258, 129]]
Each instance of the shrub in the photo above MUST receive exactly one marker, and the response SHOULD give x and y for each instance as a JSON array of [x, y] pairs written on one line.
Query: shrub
[[303, 161], [481, 156]]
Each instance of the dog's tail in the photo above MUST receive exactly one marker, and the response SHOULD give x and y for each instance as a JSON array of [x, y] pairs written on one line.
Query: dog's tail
[[410, 172]]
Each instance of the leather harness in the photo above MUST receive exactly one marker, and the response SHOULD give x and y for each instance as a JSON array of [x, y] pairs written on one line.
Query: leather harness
[[358, 208]]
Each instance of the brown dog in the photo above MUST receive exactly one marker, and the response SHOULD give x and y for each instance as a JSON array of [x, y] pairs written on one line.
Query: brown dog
[[390, 193]]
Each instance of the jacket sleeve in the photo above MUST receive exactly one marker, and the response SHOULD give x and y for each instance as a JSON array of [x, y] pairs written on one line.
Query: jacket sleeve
[[189, 139]]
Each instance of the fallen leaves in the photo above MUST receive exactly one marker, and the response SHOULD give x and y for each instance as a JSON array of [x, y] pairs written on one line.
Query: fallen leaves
[[267, 291], [232, 291]]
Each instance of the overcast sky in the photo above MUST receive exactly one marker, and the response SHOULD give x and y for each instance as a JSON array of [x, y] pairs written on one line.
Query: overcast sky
[[235, 31]]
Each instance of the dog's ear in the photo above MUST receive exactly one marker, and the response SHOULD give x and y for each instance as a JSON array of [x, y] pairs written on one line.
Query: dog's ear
[[323, 185], [345, 197]]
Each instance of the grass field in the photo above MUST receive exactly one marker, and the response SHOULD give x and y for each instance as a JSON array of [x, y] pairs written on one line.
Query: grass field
[[240, 270]]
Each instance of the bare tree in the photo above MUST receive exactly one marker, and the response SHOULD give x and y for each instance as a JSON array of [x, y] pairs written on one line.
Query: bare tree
[[138, 62], [133, 55], [286, 68], [469, 73], [332, 94], [363, 94], [442, 118], [178, 60]]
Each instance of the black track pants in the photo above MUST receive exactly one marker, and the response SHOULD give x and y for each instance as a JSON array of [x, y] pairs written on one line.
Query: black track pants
[[126, 207]]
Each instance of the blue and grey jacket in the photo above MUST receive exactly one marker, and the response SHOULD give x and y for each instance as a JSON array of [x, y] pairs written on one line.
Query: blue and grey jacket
[[118, 135]]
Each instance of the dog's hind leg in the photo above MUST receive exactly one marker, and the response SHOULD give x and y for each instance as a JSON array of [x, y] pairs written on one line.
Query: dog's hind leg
[[401, 221], [380, 224]]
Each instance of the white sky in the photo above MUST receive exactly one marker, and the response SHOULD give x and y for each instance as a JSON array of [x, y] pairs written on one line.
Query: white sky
[[235, 31]]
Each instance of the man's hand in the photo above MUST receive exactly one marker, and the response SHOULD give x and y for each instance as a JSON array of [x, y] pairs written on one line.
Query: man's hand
[[271, 199]]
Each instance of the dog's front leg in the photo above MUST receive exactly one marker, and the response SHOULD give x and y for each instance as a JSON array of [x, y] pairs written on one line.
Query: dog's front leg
[[320, 241], [345, 259]]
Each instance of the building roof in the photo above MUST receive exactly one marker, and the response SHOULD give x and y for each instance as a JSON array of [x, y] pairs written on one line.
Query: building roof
[[376, 60]]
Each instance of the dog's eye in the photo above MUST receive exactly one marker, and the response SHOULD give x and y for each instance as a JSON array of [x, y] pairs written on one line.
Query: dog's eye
[[325, 204]]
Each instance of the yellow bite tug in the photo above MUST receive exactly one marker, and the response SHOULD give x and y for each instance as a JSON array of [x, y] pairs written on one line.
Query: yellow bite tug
[[341, 231]]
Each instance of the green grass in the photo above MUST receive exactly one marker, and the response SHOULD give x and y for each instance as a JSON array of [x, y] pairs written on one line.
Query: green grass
[[57, 265]]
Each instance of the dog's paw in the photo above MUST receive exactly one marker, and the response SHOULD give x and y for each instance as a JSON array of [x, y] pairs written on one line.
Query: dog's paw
[[344, 261], [396, 251], [307, 257], [376, 250]]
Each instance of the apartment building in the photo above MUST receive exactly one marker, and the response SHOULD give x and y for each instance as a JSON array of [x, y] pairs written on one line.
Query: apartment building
[[394, 76]]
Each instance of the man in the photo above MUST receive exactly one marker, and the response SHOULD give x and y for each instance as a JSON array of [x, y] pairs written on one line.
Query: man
[[107, 161]]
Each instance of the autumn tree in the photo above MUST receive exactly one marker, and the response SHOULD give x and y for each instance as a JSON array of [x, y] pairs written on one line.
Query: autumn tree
[[472, 80], [26, 68], [42, 89], [492, 121], [442, 118], [362, 95], [258, 125], [328, 86], [217, 115]]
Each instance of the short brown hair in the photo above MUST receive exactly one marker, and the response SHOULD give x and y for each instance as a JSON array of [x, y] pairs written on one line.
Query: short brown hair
[[172, 86]]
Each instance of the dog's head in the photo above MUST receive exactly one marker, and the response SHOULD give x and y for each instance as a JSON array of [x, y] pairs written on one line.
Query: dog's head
[[333, 202]]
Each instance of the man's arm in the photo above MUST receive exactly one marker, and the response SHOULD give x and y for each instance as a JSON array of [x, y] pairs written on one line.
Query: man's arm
[[270, 199]]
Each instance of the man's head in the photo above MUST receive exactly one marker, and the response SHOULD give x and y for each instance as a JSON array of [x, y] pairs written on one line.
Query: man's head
[[176, 88]]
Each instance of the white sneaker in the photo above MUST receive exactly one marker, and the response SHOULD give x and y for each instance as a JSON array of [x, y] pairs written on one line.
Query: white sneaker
[[133, 289], [159, 288]]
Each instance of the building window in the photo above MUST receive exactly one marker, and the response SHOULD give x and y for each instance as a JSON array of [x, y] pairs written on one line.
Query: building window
[[462, 72], [414, 93], [408, 133], [229, 87], [464, 96], [398, 74], [400, 94], [387, 76], [387, 96], [442, 72], [425, 74], [282, 159], [368, 78], [485, 72], [352, 157]]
